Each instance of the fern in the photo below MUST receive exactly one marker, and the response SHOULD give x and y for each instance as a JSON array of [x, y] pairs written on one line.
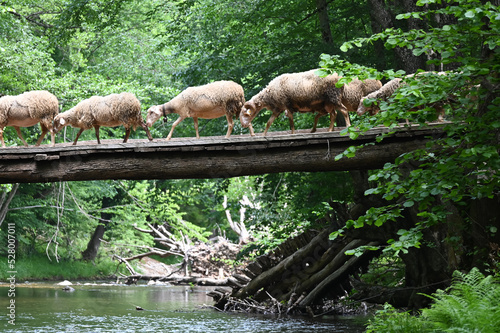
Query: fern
[[471, 304]]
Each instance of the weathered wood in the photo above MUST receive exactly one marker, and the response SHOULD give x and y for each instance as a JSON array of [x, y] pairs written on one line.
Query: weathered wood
[[277, 272], [180, 280], [321, 286], [209, 157]]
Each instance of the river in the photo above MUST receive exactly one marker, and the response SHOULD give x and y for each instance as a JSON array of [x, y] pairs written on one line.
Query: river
[[45, 307]]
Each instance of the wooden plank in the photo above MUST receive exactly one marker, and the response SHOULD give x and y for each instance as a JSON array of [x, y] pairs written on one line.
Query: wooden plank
[[209, 157]]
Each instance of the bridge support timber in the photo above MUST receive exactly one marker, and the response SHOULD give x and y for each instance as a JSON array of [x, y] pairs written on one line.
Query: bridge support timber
[[209, 157]]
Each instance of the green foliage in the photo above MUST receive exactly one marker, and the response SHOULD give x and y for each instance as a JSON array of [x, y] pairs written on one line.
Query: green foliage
[[391, 321], [461, 166], [159, 205], [471, 304], [386, 270], [285, 205]]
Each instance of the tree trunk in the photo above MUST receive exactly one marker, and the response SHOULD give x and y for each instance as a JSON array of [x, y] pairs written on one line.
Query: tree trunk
[[5, 201], [94, 243], [385, 19], [324, 21]]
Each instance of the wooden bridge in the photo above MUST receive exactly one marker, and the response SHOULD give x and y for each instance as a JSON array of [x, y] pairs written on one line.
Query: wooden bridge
[[208, 157]]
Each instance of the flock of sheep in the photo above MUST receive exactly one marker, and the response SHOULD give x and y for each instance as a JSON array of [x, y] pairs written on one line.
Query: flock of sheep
[[289, 93]]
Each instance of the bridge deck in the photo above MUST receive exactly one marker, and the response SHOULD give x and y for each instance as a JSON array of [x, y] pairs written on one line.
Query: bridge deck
[[209, 157]]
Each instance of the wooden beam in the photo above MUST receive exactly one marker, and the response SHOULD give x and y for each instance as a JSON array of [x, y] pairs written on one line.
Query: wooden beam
[[209, 157]]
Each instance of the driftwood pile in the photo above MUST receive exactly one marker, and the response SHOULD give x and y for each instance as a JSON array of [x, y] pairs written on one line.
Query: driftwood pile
[[201, 263], [302, 276], [207, 264]]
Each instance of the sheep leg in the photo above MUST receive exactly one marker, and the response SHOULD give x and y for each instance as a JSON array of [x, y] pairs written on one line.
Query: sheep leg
[[230, 125], [345, 113], [173, 126], [77, 136], [195, 119], [289, 114], [127, 134], [1, 137], [252, 133], [316, 118], [18, 130], [44, 132], [96, 127], [333, 116], [52, 138], [270, 121]]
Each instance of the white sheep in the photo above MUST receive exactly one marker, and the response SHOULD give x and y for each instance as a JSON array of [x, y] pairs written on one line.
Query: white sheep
[[213, 100], [111, 111], [27, 110], [388, 90], [296, 92]]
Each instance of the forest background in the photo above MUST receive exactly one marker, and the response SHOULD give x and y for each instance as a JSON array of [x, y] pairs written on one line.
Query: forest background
[[155, 49]]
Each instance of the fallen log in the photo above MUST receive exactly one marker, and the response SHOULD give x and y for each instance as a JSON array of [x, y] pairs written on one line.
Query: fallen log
[[320, 287], [181, 280], [276, 272], [332, 264]]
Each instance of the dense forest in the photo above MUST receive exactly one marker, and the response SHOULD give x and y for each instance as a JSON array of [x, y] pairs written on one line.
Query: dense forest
[[432, 212]]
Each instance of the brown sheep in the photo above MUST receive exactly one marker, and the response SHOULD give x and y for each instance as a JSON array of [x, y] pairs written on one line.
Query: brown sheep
[[111, 111], [213, 100], [27, 110], [388, 90], [351, 96], [295, 92]]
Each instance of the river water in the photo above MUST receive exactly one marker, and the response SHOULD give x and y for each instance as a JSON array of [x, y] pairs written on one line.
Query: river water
[[45, 307]]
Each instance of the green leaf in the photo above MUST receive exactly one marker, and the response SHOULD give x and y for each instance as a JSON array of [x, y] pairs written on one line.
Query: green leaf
[[409, 203], [470, 14], [353, 135]]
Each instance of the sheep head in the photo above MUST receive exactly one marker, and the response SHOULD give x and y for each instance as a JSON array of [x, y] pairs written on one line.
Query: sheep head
[[59, 123], [367, 105], [248, 112], [154, 113]]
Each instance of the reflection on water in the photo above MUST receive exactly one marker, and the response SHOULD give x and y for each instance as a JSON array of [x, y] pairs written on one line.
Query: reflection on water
[[47, 308]]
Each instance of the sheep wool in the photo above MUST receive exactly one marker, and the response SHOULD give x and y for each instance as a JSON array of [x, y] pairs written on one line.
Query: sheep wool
[[27, 110]]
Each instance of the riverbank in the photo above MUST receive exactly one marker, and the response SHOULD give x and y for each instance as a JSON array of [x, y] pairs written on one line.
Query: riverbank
[[40, 268]]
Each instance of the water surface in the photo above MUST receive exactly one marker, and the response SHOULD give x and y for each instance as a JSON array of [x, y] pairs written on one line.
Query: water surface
[[112, 308]]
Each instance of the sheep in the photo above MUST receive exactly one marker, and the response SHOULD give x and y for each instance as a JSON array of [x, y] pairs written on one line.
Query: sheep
[[208, 101], [296, 92], [388, 90], [27, 110], [351, 95], [381, 94], [111, 111]]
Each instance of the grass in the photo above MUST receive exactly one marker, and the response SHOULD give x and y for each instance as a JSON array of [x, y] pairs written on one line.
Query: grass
[[41, 268]]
